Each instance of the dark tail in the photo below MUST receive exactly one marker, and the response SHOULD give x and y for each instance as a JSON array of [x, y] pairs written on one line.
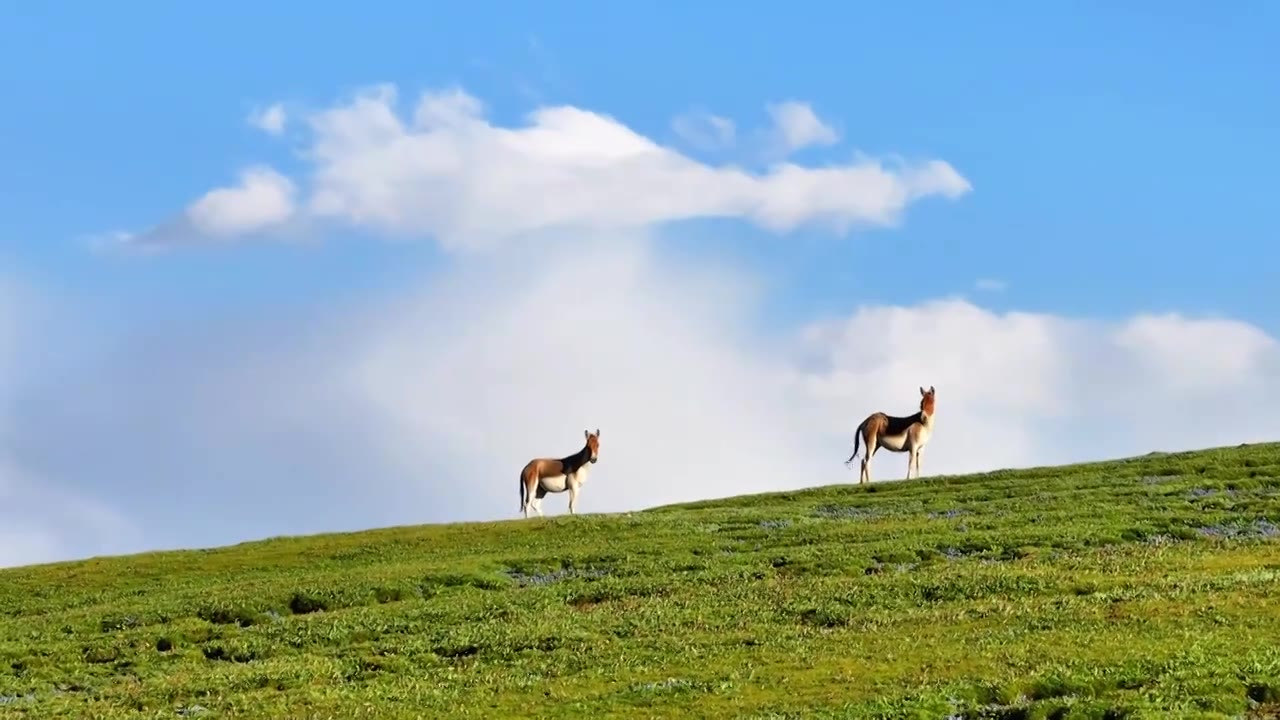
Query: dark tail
[[523, 492], [857, 440]]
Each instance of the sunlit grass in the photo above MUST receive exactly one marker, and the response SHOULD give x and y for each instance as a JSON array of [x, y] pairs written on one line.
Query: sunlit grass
[[1147, 587]]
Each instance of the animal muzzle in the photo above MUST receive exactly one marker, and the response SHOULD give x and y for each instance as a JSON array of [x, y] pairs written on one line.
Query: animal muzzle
[[593, 460]]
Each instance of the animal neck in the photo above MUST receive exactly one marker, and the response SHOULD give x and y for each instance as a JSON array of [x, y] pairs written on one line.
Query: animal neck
[[926, 419], [577, 461]]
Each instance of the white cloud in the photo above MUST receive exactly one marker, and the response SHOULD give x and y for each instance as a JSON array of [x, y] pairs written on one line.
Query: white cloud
[[270, 120], [263, 198], [704, 130], [1201, 357], [262, 201], [449, 173], [990, 285], [797, 126]]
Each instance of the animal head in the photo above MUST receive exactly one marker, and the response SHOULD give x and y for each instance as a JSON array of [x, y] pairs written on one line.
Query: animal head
[[593, 443], [926, 400]]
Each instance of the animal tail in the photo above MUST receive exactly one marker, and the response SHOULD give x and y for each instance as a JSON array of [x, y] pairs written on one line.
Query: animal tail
[[523, 492], [857, 440]]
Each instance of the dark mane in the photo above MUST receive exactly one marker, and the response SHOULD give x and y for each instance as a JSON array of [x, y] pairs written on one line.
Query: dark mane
[[898, 425], [572, 462]]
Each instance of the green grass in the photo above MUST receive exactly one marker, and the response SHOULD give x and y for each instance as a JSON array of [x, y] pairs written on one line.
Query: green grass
[[1142, 588]]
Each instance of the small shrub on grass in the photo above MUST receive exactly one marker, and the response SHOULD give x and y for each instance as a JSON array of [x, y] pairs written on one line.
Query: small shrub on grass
[[234, 650], [99, 654], [220, 614], [434, 584], [390, 594], [304, 603], [117, 624], [826, 616]]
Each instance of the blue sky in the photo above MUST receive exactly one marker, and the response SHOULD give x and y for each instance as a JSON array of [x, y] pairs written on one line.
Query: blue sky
[[1119, 157], [1109, 144]]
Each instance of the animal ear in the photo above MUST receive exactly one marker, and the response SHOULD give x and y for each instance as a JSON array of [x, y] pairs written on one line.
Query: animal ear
[[586, 433], [597, 433], [931, 390], [922, 392]]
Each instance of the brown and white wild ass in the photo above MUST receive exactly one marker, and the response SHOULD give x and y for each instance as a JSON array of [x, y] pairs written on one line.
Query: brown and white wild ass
[[548, 475], [897, 434]]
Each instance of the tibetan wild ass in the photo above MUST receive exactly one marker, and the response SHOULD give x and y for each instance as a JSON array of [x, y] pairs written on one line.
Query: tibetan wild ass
[[897, 434], [548, 475]]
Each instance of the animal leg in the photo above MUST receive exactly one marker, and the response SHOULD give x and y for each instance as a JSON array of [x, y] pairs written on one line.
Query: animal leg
[[537, 503], [573, 499], [911, 461], [866, 462]]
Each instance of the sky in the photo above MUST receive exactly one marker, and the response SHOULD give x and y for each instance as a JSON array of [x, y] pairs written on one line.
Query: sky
[[266, 272]]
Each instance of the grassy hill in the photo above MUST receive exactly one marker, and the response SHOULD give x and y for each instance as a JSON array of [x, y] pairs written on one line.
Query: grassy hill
[[1147, 587]]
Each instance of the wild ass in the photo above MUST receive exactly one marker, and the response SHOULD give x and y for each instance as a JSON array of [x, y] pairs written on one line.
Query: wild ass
[[897, 434], [548, 475]]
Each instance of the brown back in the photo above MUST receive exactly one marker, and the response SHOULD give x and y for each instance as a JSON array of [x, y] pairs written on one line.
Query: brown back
[[590, 452]]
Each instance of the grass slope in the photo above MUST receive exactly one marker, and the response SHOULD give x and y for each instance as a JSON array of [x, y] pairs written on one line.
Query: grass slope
[[1148, 587]]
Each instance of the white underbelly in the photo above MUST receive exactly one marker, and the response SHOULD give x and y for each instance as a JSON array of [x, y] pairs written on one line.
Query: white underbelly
[[894, 442], [555, 483]]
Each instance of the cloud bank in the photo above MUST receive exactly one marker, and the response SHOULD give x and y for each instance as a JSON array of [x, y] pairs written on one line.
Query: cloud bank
[[422, 406], [41, 519]]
